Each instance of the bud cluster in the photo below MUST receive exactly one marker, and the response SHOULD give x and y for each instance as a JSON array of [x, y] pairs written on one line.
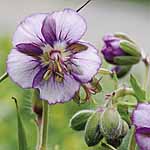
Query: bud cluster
[[103, 123]]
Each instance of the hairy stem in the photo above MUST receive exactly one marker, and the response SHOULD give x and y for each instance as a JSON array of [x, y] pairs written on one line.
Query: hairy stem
[[44, 129], [3, 77], [145, 84]]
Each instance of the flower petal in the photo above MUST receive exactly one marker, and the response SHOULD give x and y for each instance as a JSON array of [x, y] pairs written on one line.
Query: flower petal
[[143, 141], [66, 25], [29, 30], [87, 62], [56, 92], [22, 68], [141, 118], [143, 106]]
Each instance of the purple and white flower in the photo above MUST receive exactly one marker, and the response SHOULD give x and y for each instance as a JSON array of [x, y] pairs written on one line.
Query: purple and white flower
[[141, 119], [48, 55]]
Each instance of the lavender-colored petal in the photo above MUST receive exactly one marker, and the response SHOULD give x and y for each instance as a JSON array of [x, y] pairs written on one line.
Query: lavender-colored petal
[[143, 141], [143, 106], [29, 49], [39, 77], [22, 68], [55, 92], [29, 30], [141, 118], [86, 63], [66, 25]]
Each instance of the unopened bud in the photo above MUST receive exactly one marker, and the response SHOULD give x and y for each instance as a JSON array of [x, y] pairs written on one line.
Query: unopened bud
[[111, 123], [92, 130], [78, 121], [121, 71]]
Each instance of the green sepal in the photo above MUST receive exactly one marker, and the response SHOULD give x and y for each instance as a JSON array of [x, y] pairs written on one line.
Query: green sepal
[[139, 92], [126, 60], [92, 130], [130, 48], [78, 121], [123, 36], [21, 130]]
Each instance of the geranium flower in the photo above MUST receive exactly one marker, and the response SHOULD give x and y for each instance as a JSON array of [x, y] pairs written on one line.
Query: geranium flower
[[141, 119], [48, 55]]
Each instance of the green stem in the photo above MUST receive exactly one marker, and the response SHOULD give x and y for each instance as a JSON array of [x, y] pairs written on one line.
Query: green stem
[[121, 92], [145, 84], [3, 77], [109, 146], [44, 132]]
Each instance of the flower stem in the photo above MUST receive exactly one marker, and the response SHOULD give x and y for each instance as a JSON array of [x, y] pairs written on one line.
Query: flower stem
[[83, 5], [145, 84], [44, 132], [3, 77]]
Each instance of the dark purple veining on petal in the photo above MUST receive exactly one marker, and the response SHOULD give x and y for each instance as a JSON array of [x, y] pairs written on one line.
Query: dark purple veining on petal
[[143, 130], [49, 30], [29, 49], [39, 77]]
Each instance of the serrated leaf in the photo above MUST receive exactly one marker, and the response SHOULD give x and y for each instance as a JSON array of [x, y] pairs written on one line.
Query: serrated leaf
[[130, 48], [21, 131], [139, 92], [128, 142], [126, 60]]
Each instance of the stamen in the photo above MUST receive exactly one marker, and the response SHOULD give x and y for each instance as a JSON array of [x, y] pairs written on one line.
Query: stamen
[[47, 75], [59, 77]]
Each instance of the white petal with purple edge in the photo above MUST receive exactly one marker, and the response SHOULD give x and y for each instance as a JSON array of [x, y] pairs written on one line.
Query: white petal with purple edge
[[66, 25], [143, 141], [29, 30], [56, 92], [22, 68], [141, 118], [88, 62]]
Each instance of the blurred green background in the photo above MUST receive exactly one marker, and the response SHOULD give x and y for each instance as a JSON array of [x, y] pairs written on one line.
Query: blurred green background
[[103, 16]]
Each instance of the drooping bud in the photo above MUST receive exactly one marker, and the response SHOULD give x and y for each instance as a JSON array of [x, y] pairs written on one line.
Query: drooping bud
[[78, 121], [111, 123], [92, 130], [125, 128], [120, 50], [121, 71]]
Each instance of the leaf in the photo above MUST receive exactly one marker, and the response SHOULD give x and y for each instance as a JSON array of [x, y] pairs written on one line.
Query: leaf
[[26, 105], [126, 60], [21, 131], [139, 92], [128, 142]]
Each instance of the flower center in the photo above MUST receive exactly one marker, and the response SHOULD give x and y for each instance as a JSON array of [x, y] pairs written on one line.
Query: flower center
[[53, 59]]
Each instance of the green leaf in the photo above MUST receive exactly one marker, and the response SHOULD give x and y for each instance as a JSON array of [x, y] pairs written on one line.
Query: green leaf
[[139, 92], [128, 142], [126, 60], [130, 48], [26, 105], [21, 131]]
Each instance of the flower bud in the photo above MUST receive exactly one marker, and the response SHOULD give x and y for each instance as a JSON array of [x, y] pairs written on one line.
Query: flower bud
[[125, 128], [92, 130], [120, 50], [78, 121], [115, 142], [111, 123], [121, 71]]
